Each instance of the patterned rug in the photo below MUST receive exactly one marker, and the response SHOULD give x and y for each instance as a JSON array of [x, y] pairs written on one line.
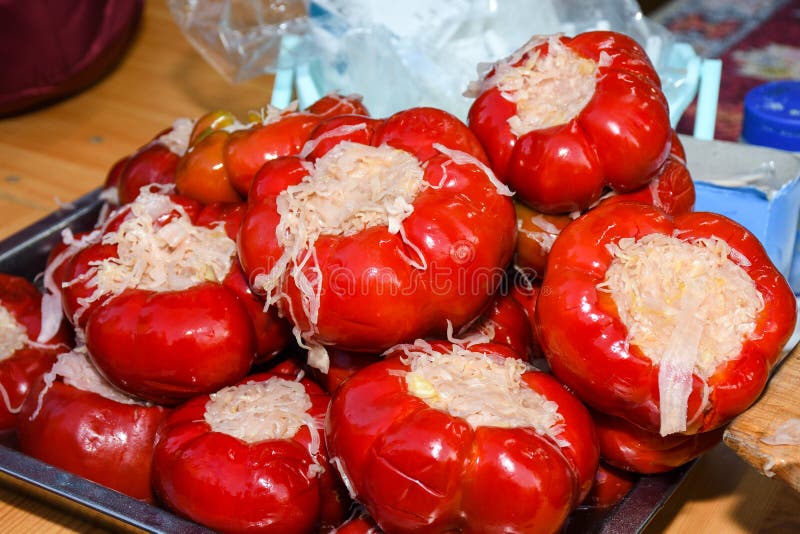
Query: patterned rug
[[757, 41]]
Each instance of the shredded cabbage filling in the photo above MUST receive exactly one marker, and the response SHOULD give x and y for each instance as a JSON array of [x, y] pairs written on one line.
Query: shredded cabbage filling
[[177, 139], [687, 306], [76, 370], [13, 335], [350, 188], [161, 257], [482, 389], [258, 411], [549, 89]]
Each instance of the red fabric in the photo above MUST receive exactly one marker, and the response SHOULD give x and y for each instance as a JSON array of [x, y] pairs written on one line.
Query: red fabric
[[52, 49]]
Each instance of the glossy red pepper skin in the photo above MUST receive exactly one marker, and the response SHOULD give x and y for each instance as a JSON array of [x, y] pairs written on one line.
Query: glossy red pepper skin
[[73, 273], [22, 368], [154, 163], [626, 446], [273, 333], [416, 130], [168, 346], [526, 293], [671, 190], [330, 132], [610, 486], [417, 469], [106, 441], [219, 165], [467, 214], [233, 486], [18, 374], [618, 140], [363, 524], [247, 150], [334, 104], [23, 301], [115, 173], [74, 292], [585, 341], [506, 323], [199, 174], [344, 364]]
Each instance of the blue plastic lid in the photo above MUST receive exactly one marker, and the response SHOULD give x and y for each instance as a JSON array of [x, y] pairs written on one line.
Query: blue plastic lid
[[772, 115]]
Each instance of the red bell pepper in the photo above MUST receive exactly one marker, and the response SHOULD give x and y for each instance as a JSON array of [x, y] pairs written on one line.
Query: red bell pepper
[[610, 486], [154, 163], [251, 458], [214, 158], [526, 293], [420, 444], [163, 318], [672, 323], [77, 421], [23, 359], [671, 189], [564, 118], [628, 447], [111, 182], [505, 323], [272, 331], [334, 104], [223, 155], [422, 239]]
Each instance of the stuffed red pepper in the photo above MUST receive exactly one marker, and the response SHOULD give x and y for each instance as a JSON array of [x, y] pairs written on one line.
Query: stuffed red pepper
[[429, 439], [563, 118], [75, 420], [251, 458], [381, 231], [672, 323]]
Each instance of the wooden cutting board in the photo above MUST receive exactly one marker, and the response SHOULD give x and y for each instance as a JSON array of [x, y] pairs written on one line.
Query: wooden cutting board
[[779, 404]]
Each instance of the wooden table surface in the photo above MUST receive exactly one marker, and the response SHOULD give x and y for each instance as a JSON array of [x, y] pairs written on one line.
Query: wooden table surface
[[59, 153]]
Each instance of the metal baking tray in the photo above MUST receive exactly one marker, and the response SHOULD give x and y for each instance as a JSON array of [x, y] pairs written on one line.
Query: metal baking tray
[[24, 254]]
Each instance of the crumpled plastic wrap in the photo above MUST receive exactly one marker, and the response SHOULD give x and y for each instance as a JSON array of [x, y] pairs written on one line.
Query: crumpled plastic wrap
[[408, 53], [243, 39]]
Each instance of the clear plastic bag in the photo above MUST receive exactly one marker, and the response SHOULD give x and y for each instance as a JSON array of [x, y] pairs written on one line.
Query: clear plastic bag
[[409, 53], [243, 39]]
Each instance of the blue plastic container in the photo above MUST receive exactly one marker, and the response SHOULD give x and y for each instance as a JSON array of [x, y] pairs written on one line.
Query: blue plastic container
[[772, 115], [759, 187]]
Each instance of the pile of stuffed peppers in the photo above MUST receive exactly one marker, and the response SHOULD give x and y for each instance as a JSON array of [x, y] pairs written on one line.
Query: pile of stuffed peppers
[[317, 320]]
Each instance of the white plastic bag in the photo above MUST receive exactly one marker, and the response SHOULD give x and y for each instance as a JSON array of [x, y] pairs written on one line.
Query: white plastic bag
[[399, 54]]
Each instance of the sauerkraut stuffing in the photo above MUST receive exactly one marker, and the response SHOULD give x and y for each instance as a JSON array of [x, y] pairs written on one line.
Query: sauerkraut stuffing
[[548, 89], [77, 371], [161, 257], [482, 389], [13, 335], [545, 237], [687, 306], [349, 189], [257, 411]]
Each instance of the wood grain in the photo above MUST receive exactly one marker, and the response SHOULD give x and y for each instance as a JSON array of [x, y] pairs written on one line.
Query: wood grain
[[777, 406], [62, 152]]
